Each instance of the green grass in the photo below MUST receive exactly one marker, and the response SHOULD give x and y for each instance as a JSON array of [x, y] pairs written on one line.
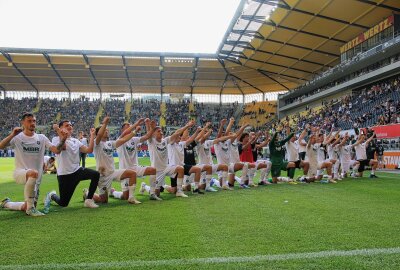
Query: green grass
[[353, 214]]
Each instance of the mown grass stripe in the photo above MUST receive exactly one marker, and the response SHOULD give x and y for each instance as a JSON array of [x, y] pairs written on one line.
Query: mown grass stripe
[[213, 260]]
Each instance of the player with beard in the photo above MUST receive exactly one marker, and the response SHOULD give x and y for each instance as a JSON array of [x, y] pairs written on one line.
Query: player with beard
[[29, 150]]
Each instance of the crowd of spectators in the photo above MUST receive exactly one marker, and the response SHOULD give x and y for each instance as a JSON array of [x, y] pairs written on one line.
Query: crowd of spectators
[[10, 113], [377, 104], [213, 113], [258, 114], [346, 78], [145, 109], [177, 114]]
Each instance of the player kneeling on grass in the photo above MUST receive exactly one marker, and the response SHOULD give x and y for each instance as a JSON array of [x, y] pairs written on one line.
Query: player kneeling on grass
[[49, 166], [159, 160], [103, 152], [206, 161], [29, 150], [292, 149], [69, 172], [315, 155], [345, 158], [361, 154], [128, 157], [277, 158]]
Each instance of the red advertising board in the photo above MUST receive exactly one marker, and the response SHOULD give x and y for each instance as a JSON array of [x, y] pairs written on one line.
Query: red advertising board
[[387, 131], [391, 159]]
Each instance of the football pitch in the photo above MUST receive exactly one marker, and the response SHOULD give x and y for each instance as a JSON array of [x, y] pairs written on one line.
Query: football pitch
[[354, 224]]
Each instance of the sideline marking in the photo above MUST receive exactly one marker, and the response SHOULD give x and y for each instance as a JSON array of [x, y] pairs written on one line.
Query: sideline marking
[[214, 260]]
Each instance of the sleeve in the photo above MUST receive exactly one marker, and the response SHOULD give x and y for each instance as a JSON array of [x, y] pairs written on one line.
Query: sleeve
[[81, 144], [167, 139], [114, 144], [46, 141], [150, 141], [136, 140], [55, 140], [12, 142]]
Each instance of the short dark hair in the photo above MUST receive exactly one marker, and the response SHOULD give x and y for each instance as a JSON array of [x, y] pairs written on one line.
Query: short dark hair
[[62, 122], [243, 136], [26, 114], [52, 158], [124, 124]]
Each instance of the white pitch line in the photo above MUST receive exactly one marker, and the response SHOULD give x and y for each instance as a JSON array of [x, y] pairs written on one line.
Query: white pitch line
[[214, 260]]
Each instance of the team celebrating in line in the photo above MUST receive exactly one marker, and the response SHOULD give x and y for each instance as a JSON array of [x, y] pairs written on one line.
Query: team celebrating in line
[[312, 151]]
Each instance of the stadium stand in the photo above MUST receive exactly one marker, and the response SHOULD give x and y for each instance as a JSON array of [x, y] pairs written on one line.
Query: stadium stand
[[376, 104], [258, 114]]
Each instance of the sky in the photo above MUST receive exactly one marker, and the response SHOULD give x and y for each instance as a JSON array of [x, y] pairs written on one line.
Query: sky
[[186, 26]]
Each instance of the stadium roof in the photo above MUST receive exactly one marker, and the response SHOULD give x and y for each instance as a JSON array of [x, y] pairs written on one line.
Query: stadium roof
[[270, 46]]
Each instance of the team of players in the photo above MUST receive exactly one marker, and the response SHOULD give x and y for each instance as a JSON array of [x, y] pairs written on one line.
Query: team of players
[[174, 156]]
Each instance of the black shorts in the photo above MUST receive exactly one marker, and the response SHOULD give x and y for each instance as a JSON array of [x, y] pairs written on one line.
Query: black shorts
[[186, 169], [297, 164], [302, 155], [363, 163]]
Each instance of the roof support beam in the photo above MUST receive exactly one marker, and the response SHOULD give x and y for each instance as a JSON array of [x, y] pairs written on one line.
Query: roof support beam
[[293, 58], [57, 73], [248, 33], [380, 5], [232, 24], [277, 65], [285, 6], [93, 76], [127, 75], [300, 47], [196, 63], [270, 72], [8, 57], [227, 72], [161, 68], [223, 84], [238, 87], [264, 73], [272, 23]]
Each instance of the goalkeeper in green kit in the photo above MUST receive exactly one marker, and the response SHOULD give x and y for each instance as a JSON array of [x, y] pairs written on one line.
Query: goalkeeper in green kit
[[277, 154]]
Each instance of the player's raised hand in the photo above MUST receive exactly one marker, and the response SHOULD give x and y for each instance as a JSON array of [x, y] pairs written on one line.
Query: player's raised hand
[[190, 123], [140, 122], [56, 127], [153, 124], [106, 120], [16, 131], [92, 132]]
